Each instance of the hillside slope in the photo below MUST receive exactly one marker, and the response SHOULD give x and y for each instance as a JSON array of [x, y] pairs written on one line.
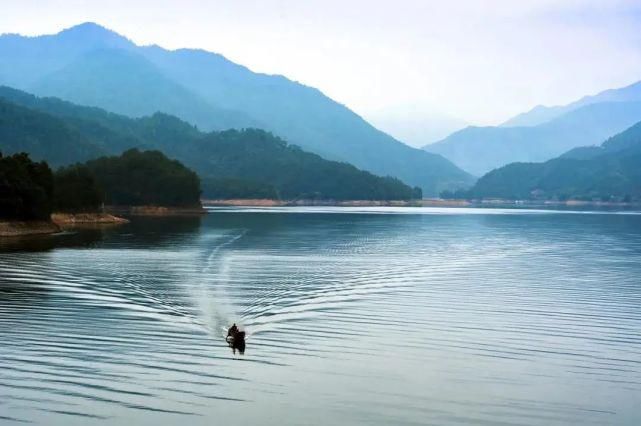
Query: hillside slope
[[542, 114], [253, 157], [206, 89], [481, 149], [611, 171]]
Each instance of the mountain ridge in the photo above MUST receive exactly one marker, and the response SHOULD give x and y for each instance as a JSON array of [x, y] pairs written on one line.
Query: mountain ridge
[[541, 114], [300, 114], [253, 157], [609, 172], [481, 149]]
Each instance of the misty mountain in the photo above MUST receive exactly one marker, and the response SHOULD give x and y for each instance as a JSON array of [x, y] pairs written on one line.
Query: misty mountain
[[126, 83], [481, 149], [250, 160], [542, 114], [43, 136], [91, 65], [610, 171]]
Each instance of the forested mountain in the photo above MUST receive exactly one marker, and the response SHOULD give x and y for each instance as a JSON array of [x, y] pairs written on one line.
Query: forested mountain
[[126, 83], [542, 114], [43, 136], [138, 178], [481, 149], [252, 161], [609, 172], [89, 64], [26, 188]]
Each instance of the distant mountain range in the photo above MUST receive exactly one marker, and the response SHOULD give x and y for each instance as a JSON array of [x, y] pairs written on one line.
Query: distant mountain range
[[611, 171], [91, 65], [542, 114], [232, 163], [543, 133]]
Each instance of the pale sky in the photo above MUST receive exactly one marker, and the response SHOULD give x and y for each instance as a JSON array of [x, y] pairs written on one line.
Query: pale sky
[[476, 61]]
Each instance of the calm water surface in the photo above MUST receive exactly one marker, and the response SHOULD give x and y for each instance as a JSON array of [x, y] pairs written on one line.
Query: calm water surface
[[370, 316]]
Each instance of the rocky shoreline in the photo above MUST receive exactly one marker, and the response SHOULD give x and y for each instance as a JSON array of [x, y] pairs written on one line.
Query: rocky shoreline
[[24, 228], [430, 202], [155, 210], [70, 219], [59, 221], [303, 202]]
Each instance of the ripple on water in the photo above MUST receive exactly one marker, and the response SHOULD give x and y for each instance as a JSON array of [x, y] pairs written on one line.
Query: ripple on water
[[358, 318]]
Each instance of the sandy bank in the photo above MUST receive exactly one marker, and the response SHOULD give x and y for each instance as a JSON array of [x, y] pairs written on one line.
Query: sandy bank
[[155, 210], [339, 203], [23, 228], [70, 219]]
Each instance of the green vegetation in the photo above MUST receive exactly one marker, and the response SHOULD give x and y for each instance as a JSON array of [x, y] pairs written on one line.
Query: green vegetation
[[479, 150], [259, 156], [91, 65], [233, 164], [610, 172], [43, 136], [30, 191], [145, 178], [26, 188], [76, 190], [230, 188]]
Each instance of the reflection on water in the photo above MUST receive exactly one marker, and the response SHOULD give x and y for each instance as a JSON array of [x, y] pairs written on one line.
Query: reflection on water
[[353, 317]]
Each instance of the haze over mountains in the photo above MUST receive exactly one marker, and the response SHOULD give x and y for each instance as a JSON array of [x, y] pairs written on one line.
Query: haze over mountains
[[609, 172], [543, 133], [250, 162], [90, 65], [541, 114]]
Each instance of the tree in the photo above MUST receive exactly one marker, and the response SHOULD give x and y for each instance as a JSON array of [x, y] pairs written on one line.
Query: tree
[[76, 190], [26, 188]]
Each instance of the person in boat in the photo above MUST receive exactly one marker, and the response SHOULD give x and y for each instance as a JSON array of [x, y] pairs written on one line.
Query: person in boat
[[232, 330]]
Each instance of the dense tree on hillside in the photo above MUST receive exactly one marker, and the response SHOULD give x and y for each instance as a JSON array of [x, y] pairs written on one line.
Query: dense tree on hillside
[[26, 188], [250, 162], [233, 188], [256, 155], [76, 190], [90, 65], [145, 178], [610, 172]]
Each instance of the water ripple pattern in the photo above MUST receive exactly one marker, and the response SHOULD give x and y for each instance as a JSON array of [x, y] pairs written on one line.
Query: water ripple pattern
[[354, 316]]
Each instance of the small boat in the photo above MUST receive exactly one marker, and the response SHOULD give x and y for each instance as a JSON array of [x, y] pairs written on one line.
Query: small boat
[[236, 339]]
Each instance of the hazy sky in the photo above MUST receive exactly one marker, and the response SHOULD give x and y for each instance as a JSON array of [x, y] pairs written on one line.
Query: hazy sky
[[478, 61]]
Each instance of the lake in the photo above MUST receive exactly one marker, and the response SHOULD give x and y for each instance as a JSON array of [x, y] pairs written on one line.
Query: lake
[[371, 316]]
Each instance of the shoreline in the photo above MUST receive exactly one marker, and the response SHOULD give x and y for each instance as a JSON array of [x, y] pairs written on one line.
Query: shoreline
[[111, 216], [428, 202], [155, 210], [255, 202], [71, 219], [23, 228]]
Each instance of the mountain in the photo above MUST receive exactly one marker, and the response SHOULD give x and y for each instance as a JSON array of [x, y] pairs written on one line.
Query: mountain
[[126, 83], [608, 172], [25, 60], [63, 133], [481, 149], [43, 136], [92, 65], [542, 114]]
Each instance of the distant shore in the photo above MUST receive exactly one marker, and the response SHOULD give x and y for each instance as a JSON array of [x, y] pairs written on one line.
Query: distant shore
[[302, 202], [155, 210], [428, 202]]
